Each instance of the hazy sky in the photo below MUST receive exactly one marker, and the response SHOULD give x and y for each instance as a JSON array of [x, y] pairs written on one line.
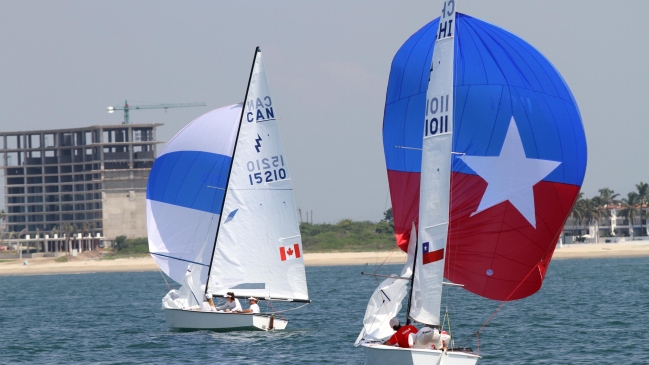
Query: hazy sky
[[64, 62]]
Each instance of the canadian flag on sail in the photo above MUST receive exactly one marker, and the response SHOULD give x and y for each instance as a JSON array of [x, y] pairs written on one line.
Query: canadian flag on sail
[[289, 252]]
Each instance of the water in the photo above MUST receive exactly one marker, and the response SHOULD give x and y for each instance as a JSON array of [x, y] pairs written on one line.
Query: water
[[588, 311]]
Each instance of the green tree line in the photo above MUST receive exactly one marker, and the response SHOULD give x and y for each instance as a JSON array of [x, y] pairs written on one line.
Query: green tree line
[[346, 235]]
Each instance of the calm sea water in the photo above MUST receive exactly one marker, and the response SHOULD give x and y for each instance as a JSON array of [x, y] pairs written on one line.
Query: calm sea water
[[588, 311]]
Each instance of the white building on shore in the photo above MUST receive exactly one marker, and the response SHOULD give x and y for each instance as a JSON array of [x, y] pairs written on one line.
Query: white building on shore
[[612, 226]]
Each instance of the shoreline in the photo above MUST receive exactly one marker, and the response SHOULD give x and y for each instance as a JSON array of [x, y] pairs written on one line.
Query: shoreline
[[47, 266]]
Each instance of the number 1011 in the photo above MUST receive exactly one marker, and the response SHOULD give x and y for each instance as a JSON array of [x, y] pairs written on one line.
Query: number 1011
[[267, 176]]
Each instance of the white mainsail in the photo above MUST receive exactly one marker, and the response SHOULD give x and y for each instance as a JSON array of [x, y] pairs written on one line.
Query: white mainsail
[[435, 176], [258, 250]]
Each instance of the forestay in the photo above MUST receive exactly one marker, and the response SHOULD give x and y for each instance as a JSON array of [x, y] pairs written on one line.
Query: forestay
[[258, 250], [435, 176], [185, 194]]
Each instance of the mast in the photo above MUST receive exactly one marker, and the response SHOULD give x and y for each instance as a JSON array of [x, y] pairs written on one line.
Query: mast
[[412, 282], [234, 151]]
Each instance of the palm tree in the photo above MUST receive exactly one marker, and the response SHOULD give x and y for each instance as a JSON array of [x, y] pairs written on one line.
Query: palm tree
[[630, 209], [592, 213], [56, 242], [607, 199], [603, 211], [643, 195], [87, 228], [607, 196], [69, 230], [577, 212]]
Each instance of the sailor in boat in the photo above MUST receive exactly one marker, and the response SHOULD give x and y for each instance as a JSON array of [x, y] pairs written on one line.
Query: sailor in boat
[[231, 303], [404, 335], [254, 307], [431, 338], [208, 304]]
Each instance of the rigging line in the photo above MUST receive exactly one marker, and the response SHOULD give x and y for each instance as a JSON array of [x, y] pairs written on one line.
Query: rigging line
[[177, 258], [234, 151], [194, 295], [386, 259], [477, 333], [287, 310], [270, 304], [165, 279]]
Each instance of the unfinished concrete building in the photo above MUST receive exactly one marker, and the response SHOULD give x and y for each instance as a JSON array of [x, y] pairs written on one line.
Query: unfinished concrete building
[[92, 179]]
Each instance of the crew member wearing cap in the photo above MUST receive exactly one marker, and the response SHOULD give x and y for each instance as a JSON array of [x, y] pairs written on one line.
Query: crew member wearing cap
[[254, 307], [231, 303], [208, 304], [404, 335]]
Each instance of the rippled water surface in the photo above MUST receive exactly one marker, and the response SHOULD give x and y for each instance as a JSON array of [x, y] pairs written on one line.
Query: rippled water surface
[[588, 311]]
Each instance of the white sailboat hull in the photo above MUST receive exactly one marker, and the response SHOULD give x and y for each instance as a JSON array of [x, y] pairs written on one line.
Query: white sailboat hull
[[220, 321], [376, 354]]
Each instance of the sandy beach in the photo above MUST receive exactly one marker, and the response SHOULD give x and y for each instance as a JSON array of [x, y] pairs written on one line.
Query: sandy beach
[[48, 266]]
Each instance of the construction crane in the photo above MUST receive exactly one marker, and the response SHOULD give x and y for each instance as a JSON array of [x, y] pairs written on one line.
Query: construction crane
[[126, 108]]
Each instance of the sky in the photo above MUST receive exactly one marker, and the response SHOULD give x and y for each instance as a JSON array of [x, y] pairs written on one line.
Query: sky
[[327, 62]]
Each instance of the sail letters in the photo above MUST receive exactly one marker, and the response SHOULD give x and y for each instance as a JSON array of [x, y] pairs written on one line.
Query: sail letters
[[260, 110]]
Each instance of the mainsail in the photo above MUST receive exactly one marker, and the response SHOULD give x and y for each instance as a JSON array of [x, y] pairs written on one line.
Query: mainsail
[[227, 169], [518, 162], [258, 250], [435, 176]]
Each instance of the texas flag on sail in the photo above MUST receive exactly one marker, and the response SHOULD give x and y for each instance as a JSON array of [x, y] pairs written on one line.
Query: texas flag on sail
[[430, 256], [289, 252]]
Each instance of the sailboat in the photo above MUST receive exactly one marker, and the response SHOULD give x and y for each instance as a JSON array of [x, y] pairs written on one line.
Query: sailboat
[[221, 216], [486, 153]]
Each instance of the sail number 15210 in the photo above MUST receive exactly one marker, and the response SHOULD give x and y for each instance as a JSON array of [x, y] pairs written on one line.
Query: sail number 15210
[[268, 170]]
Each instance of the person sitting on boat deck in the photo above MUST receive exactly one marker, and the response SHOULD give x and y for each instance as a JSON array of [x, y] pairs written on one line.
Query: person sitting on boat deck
[[208, 304], [431, 338], [231, 303], [404, 335], [254, 307]]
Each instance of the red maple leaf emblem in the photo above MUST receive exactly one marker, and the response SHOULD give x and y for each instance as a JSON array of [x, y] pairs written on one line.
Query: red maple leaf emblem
[[290, 252]]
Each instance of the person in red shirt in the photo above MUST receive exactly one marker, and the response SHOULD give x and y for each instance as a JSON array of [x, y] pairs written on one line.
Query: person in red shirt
[[402, 335]]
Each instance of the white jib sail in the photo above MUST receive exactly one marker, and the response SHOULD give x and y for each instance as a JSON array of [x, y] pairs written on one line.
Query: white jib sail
[[185, 194], [258, 250], [386, 301], [435, 175]]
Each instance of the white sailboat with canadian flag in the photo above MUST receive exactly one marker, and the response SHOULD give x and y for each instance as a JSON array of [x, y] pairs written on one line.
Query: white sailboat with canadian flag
[[486, 153], [221, 216]]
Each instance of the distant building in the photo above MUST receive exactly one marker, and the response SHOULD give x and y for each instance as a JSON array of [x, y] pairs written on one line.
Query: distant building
[[94, 178], [612, 226]]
